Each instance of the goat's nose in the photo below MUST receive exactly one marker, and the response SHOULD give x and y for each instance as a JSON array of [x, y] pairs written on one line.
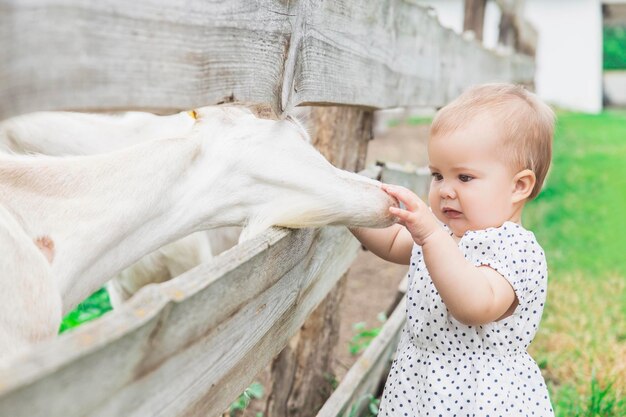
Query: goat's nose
[[393, 202]]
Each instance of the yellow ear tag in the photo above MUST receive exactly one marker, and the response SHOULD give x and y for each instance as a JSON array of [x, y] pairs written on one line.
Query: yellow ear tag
[[193, 114]]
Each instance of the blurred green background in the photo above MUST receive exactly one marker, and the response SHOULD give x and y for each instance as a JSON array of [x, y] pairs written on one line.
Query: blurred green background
[[579, 218], [614, 47]]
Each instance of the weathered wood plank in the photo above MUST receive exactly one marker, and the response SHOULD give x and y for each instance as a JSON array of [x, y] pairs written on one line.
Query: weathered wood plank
[[388, 54], [187, 347], [365, 375], [165, 56], [150, 54]]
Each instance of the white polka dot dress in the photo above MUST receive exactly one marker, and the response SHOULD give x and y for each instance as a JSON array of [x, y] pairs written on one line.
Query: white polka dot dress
[[446, 368]]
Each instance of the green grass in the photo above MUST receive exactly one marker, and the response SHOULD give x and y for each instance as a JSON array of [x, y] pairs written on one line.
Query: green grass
[[579, 220], [93, 307], [419, 120], [253, 392], [364, 336], [579, 215], [410, 121]]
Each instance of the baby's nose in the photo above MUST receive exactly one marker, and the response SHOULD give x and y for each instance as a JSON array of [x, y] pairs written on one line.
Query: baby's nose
[[446, 191]]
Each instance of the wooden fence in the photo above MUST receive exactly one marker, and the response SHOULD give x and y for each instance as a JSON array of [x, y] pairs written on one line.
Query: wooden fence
[[164, 56], [188, 347]]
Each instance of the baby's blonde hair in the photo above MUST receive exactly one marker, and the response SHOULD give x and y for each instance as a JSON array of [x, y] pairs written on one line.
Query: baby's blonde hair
[[526, 122]]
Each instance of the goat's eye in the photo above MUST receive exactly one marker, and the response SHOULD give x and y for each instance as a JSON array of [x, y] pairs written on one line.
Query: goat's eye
[[465, 178], [436, 176]]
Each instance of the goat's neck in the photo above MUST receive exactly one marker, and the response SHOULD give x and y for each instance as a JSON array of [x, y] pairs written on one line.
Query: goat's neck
[[125, 204]]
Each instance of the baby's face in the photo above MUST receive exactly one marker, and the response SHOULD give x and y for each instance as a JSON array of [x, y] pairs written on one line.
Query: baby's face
[[471, 187]]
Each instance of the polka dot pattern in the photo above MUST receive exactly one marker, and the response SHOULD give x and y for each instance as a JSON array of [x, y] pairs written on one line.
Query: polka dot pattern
[[446, 368]]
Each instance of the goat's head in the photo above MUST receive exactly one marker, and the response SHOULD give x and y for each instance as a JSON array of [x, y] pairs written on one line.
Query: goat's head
[[275, 177]]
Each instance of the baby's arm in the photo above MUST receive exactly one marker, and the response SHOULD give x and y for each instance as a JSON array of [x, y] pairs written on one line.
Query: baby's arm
[[393, 243], [473, 295]]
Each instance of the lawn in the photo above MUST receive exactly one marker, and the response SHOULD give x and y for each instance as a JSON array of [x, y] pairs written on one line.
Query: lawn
[[579, 220]]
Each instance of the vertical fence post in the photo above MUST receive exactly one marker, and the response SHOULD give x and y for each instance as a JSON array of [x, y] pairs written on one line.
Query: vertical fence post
[[302, 374]]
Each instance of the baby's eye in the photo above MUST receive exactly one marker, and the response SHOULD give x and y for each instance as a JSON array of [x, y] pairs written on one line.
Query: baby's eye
[[436, 176], [465, 178]]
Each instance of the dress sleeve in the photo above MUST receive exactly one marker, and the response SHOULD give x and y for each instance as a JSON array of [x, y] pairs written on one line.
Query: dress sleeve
[[514, 253], [416, 254]]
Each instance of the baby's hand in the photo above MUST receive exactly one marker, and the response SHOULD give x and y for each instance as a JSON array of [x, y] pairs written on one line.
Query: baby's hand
[[417, 217]]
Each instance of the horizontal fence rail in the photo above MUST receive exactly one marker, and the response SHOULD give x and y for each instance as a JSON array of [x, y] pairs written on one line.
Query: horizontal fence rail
[[189, 346], [165, 56], [362, 380]]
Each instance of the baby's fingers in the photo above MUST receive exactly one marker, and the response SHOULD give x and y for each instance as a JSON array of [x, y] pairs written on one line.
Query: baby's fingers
[[404, 216], [404, 195]]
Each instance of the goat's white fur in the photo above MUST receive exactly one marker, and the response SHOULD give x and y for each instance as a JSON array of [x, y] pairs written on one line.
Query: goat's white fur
[[70, 133], [103, 212]]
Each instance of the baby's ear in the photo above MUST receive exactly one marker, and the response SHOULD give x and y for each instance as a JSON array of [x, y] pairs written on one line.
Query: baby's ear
[[524, 182]]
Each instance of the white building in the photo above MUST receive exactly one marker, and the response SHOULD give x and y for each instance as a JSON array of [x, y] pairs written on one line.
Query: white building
[[569, 48]]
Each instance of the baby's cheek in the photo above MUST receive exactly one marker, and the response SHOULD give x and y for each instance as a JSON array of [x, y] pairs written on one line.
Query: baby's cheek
[[439, 214], [433, 199]]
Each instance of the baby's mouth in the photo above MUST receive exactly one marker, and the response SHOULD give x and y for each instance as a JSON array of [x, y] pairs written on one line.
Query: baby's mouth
[[451, 213]]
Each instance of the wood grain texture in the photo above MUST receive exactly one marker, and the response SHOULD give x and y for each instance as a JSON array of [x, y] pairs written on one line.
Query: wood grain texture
[[387, 54], [152, 55], [187, 347], [168, 56]]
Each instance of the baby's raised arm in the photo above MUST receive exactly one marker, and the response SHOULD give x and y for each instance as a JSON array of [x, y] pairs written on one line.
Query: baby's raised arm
[[393, 243], [473, 295]]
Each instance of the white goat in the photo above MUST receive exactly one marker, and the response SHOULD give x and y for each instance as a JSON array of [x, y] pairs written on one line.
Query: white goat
[[68, 224], [71, 133]]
